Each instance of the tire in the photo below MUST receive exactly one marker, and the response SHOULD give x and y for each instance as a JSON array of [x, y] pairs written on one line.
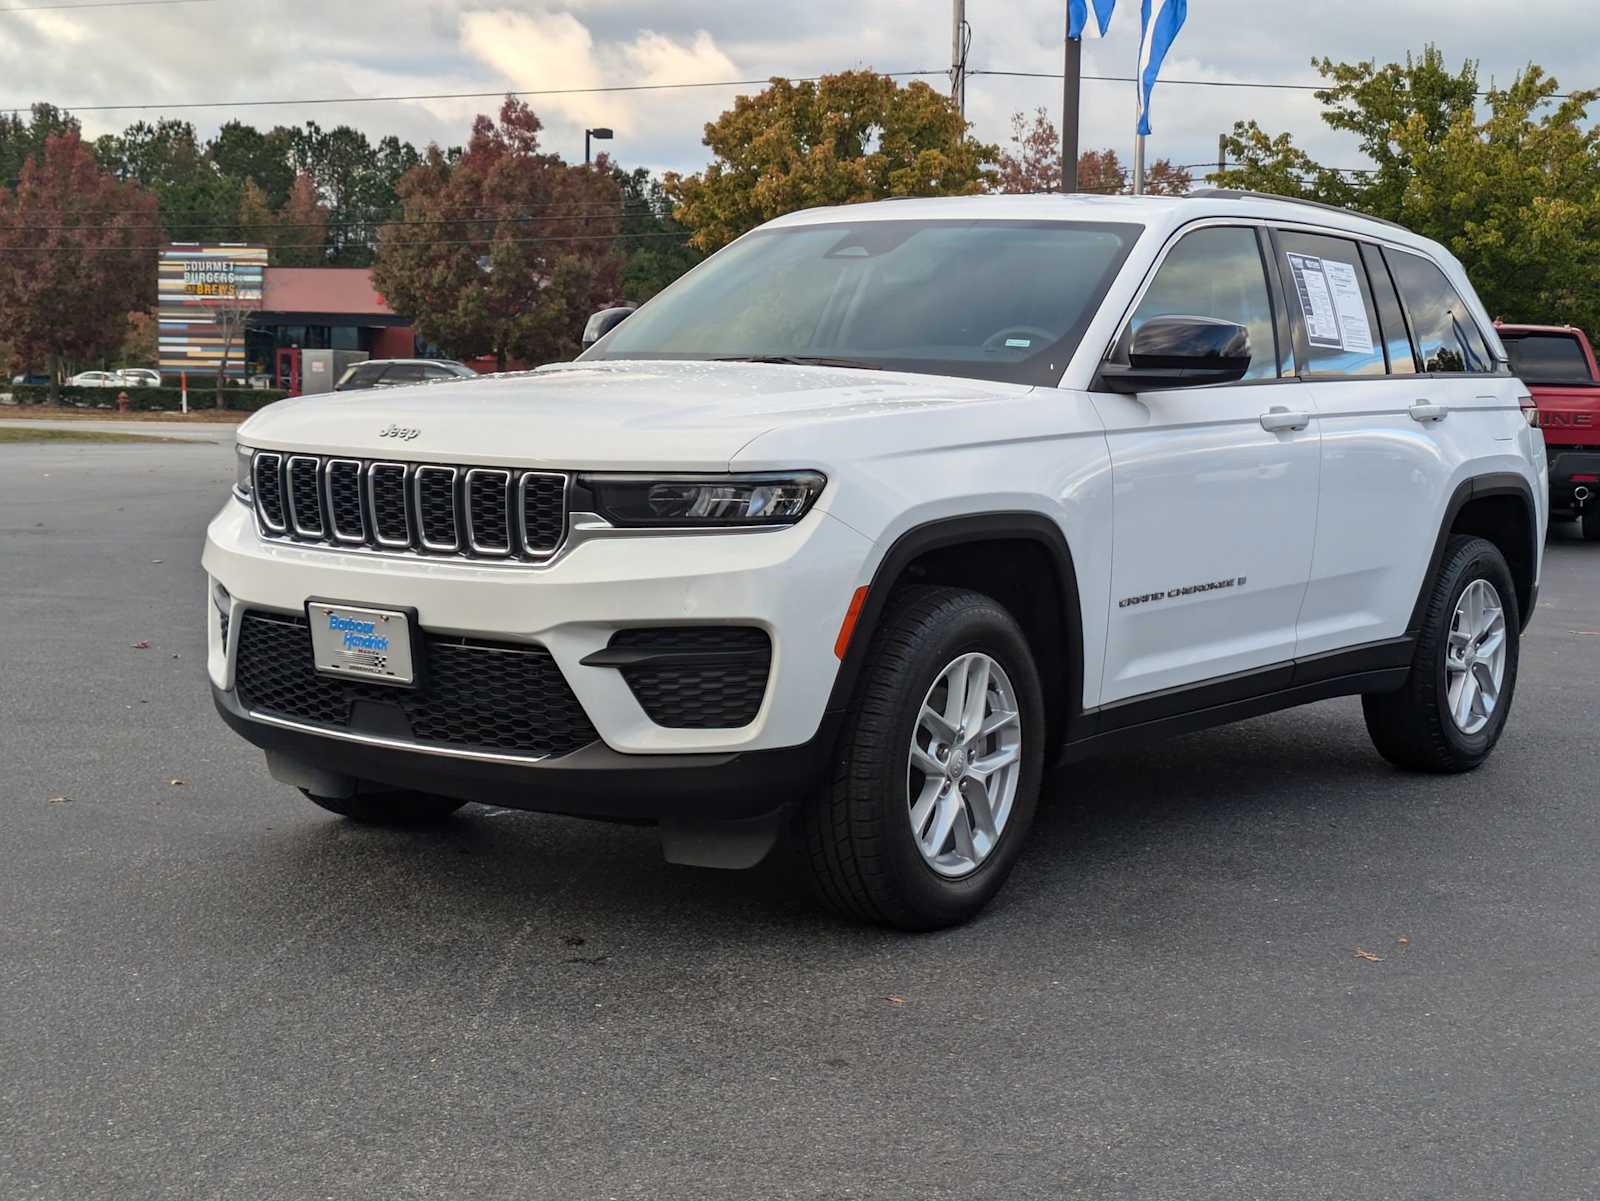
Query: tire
[[864, 856], [1589, 521], [1413, 727], [389, 808]]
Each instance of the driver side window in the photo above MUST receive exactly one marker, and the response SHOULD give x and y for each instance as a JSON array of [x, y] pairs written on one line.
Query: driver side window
[[1216, 273]]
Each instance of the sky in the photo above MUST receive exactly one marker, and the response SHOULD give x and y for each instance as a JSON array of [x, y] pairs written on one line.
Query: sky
[[210, 51]]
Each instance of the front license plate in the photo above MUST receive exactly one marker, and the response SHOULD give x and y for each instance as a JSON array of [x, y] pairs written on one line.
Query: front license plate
[[364, 644]]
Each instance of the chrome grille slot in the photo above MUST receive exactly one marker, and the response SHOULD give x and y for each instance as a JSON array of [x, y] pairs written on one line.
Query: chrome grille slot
[[386, 496], [542, 505], [345, 516], [421, 509], [305, 496], [436, 508], [489, 511], [267, 470]]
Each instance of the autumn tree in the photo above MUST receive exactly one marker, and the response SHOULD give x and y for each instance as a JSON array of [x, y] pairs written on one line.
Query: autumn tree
[[845, 138], [1512, 188], [1035, 164], [505, 249], [76, 255], [296, 234]]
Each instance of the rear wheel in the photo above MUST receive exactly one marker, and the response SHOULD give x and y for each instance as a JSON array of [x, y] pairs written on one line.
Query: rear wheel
[[389, 808], [1452, 709], [1589, 522], [938, 772]]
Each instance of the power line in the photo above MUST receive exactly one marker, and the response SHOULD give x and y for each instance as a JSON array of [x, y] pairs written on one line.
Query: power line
[[1200, 83], [179, 223], [56, 8], [621, 87], [407, 242]]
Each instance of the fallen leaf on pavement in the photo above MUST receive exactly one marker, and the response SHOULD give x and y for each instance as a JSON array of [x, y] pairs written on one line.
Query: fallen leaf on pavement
[[59, 800], [895, 1000], [142, 645], [1402, 940], [177, 783], [1362, 953]]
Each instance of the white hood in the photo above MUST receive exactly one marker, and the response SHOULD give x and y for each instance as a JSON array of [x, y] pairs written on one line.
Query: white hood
[[609, 415]]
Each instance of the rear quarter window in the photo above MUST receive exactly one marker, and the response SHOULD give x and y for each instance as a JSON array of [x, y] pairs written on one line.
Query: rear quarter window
[[1448, 338]]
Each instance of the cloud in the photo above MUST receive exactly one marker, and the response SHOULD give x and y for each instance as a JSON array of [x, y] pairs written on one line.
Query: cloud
[[540, 50]]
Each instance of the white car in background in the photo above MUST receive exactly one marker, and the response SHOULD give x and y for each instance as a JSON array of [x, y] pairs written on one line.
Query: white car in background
[[140, 377], [97, 379]]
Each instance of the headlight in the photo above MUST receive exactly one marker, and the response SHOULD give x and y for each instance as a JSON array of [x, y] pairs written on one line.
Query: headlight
[[704, 500], [243, 480]]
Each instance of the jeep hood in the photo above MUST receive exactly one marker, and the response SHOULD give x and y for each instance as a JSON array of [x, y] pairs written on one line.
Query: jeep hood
[[611, 415]]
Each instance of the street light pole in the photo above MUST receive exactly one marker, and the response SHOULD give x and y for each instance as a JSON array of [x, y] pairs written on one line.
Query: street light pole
[[600, 134]]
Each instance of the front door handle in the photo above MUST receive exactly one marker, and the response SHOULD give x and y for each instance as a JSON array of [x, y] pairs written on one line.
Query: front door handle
[[1426, 410], [1278, 419]]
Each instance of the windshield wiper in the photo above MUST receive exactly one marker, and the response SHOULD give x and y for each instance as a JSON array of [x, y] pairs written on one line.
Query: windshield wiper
[[798, 360]]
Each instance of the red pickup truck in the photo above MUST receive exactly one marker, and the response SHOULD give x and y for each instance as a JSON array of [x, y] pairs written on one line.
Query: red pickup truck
[[1558, 365]]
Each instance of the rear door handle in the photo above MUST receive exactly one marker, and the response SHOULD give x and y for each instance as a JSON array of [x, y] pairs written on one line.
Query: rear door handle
[[1426, 410], [1278, 419]]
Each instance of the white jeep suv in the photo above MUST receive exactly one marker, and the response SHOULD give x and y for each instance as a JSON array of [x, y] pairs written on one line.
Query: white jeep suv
[[882, 513]]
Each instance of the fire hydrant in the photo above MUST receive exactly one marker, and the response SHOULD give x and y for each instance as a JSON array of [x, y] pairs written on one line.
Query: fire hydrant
[[123, 403]]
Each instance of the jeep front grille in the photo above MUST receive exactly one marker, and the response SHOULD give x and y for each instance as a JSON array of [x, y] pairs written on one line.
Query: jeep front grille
[[418, 508]]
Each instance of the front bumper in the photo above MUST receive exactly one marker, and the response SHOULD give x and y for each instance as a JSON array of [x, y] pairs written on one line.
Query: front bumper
[[795, 583], [595, 782]]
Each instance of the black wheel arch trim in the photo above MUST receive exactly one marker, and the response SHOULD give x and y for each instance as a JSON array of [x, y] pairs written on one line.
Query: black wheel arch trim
[[941, 533], [1499, 483]]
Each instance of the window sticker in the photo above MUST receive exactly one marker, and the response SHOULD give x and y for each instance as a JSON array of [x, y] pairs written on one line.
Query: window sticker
[[1353, 324], [1316, 301]]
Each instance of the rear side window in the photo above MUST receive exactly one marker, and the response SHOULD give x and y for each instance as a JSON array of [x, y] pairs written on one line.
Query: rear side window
[[1547, 358], [1396, 340], [404, 373], [441, 373], [1330, 302], [1216, 273], [1448, 338]]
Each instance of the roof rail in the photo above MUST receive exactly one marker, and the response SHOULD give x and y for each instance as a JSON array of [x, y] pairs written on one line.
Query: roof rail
[[1240, 194]]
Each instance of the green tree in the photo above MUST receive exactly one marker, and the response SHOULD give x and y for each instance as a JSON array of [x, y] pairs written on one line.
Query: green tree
[[655, 248], [846, 138], [504, 250], [197, 202], [242, 152], [21, 140], [1513, 191]]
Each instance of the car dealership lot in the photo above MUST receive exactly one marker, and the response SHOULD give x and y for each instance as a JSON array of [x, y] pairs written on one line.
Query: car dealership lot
[[1255, 962]]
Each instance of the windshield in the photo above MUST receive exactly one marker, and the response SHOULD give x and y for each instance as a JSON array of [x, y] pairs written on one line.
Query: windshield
[[994, 300], [1547, 358]]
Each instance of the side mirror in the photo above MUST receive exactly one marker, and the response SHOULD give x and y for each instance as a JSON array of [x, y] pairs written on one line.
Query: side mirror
[[603, 322], [1180, 352]]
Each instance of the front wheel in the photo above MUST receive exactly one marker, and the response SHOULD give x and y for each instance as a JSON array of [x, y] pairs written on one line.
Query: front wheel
[[1452, 709], [938, 771], [389, 808]]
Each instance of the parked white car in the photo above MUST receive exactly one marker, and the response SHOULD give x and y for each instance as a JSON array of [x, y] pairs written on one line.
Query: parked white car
[[97, 379], [140, 377], [883, 512]]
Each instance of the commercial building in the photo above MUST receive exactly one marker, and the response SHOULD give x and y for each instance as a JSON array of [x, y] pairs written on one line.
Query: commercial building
[[275, 312]]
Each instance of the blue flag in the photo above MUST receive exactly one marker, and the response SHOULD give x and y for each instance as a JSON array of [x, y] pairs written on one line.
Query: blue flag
[[1162, 20], [1078, 23]]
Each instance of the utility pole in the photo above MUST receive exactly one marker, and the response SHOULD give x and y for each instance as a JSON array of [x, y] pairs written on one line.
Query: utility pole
[[1071, 86], [1222, 153], [960, 40], [1138, 139]]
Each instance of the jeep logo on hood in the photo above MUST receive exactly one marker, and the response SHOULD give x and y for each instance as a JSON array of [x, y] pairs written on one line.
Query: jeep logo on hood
[[404, 432]]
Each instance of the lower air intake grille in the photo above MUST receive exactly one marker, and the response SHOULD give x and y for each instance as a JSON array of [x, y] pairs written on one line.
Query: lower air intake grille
[[492, 697], [701, 677]]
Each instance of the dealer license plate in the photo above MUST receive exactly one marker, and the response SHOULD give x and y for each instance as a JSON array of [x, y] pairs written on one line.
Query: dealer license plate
[[366, 644]]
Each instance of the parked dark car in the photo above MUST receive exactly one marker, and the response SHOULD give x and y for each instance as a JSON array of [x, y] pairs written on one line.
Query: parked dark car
[[397, 373]]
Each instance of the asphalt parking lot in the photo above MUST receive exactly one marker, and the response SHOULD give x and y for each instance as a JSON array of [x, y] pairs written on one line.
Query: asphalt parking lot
[[1254, 963]]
